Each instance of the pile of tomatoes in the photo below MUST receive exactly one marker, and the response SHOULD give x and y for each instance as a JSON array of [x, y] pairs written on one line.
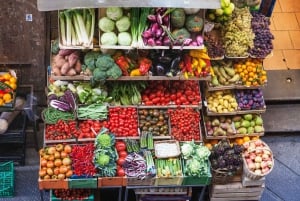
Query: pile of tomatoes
[[122, 154]]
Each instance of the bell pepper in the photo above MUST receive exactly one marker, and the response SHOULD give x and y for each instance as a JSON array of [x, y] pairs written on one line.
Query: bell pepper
[[125, 64], [135, 72], [144, 65]]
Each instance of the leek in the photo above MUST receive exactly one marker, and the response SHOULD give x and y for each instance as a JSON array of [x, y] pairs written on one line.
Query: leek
[[68, 16], [81, 26], [62, 27]]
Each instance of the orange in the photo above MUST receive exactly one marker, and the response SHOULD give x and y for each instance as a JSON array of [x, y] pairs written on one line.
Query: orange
[[208, 145], [213, 142], [13, 80], [13, 85], [239, 141], [1, 102], [7, 97], [246, 138], [6, 76], [255, 138]]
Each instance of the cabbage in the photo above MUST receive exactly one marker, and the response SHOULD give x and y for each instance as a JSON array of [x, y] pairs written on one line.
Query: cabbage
[[106, 25], [123, 24], [124, 38], [114, 13], [109, 38], [187, 150]]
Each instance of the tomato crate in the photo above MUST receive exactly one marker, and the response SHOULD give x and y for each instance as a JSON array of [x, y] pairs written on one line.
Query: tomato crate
[[87, 182], [112, 181], [91, 197], [7, 179]]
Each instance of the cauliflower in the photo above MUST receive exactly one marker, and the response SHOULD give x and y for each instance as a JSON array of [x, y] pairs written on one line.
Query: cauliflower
[[187, 150]]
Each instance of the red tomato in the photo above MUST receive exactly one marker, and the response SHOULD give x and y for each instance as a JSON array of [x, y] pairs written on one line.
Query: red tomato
[[121, 146], [121, 172], [121, 161], [122, 154]]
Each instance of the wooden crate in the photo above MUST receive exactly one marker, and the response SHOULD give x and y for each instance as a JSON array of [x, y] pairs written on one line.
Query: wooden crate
[[250, 182], [235, 191]]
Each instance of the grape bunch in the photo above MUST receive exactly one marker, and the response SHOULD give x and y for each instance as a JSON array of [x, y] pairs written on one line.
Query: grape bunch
[[263, 36], [214, 45]]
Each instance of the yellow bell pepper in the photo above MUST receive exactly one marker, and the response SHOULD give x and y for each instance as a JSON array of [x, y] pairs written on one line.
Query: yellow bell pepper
[[135, 72]]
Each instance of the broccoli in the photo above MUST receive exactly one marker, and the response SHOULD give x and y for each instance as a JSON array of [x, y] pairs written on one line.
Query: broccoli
[[114, 72], [104, 62], [90, 59], [99, 75]]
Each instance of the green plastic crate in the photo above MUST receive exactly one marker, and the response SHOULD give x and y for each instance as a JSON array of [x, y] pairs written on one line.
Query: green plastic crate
[[7, 179], [202, 180]]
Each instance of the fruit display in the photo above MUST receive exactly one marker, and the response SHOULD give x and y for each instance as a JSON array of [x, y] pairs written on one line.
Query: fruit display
[[214, 43], [224, 74], [55, 162], [251, 72], [221, 101], [226, 157], [237, 34], [250, 99], [263, 45], [61, 131], [258, 159], [248, 124], [8, 85], [185, 124], [155, 121], [219, 126], [222, 14]]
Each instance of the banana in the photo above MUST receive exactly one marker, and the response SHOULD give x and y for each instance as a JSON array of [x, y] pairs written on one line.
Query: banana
[[224, 74]]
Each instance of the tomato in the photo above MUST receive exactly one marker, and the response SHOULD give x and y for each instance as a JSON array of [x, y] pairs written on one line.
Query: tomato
[[121, 146], [122, 154], [121, 161], [121, 172]]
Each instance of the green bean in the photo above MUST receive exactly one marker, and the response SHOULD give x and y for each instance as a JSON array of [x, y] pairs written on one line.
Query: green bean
[[52, 115]]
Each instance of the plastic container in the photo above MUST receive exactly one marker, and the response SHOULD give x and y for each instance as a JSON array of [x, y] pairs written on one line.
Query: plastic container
[[7, 179]]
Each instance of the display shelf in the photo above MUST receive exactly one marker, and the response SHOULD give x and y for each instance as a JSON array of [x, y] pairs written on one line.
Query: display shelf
[[45, 5], [127, 78], [209, 113], [218, 88]]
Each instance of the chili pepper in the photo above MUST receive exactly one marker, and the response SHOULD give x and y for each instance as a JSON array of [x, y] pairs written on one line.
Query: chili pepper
[[188, 63], [144, 65], [82, 160]]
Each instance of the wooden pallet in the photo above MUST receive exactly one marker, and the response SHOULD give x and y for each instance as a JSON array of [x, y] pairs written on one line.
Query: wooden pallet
[[235, 191]]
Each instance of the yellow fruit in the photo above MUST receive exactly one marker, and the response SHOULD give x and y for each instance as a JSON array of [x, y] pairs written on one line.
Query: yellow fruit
[[7, 97], [13, 80], [1, 102], [13, 85], [246, 138], [6, 76]]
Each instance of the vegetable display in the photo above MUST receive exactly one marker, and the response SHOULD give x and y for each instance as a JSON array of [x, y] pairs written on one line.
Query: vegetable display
[[155, 121], [122, 154], [92, 111], [135, 166], [105, 154], [185, 124], [77, 27], [171, 93], [61, 130], [196, 158], [170, 167], [89, 128], [55, 162], [123, 121], [115, 27], [51, 115], [83, 152], [72, 194], [66, 62]]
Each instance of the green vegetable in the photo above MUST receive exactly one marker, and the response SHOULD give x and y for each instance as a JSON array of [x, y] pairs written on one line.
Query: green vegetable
[[194, 23], [83, 92], [109, 38], [104, 62], [99, 75], [114, 13], [55, 47], [105, 24], [187, 149], [123, 24], [90, 59], [181, 34], [104, 139], [92, 111], [114, 72], [124, 38], [102, 159], [178, 18]]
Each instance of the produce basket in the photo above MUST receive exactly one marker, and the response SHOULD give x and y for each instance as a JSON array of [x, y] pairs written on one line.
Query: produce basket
[[263, 157], [7, 179], [204, 179], [223, 175]]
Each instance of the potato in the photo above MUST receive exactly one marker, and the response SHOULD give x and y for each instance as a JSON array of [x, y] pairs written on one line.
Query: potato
[[77, 67], [65, 68], [56, 71], [71, 72], [58, 61]]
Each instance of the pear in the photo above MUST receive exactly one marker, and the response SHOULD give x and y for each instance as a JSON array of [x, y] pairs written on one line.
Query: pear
[[219, 12], [225, 3]]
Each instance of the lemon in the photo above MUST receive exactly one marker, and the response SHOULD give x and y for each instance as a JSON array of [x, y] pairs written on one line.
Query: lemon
[[7, 97]]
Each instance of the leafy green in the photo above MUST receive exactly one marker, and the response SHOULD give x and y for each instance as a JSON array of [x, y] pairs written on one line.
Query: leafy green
[[106, 24], [187, 149], [123, 24], [114, 72], [90, 59], [104, 62], [109, 38], [114, 13]]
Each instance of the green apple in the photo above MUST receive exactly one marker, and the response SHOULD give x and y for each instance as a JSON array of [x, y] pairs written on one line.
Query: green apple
[[231, 6], [225, 3], [227, 11], [211, 16], [219, 12]]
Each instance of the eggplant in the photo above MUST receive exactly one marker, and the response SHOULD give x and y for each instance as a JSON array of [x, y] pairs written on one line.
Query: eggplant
[[174, 66], [159, 69]]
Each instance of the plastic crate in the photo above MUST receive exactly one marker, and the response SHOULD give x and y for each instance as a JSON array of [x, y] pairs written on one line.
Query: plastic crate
[[54, 198], [7, 179]]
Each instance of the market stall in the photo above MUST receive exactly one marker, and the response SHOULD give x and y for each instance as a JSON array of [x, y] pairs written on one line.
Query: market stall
[[158, 99]]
